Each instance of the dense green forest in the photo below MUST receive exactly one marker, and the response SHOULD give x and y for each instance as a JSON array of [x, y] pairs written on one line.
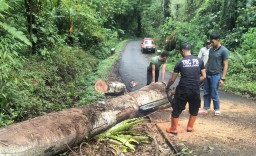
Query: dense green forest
[[52, 51]]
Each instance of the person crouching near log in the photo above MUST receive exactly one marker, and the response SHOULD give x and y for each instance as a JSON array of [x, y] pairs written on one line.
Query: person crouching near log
[[154, 67], [192, 71]]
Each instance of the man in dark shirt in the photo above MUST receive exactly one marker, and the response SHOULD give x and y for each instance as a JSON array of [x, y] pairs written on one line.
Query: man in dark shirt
[[192, 72], [216, 70]]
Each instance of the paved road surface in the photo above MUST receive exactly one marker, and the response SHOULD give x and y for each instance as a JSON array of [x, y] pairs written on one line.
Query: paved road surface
[[133, 65]]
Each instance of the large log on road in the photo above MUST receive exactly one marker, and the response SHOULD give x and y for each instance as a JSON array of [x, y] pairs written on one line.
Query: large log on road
[[54, 132]]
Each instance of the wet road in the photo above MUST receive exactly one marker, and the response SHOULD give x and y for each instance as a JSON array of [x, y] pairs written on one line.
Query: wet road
[[133, 66]]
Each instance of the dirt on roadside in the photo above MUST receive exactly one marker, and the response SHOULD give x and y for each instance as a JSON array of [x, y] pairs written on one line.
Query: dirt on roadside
[[232, 133]]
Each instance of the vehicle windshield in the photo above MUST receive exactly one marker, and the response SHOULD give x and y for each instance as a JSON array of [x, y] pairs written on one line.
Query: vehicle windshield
[[148, 42]]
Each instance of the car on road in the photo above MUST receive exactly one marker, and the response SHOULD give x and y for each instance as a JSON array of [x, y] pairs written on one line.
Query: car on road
[[148, 45]]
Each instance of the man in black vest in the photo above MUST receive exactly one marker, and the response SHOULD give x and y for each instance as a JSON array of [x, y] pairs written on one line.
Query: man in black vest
[[192, 72]]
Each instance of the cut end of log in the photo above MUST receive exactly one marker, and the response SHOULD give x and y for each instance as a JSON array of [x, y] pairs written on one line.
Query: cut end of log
[[101, 86]]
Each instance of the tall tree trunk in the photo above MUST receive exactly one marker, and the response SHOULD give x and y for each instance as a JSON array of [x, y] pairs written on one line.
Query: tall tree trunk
[[166, 8], [139, 30], [53, 133], [31, 11], [229, 14], [59, 3]]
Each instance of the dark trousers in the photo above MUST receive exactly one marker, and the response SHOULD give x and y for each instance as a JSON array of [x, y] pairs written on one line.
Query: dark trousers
[[149, 76], [184, 95]]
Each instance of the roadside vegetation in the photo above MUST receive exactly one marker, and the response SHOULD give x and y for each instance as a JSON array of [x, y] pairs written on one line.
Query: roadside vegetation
[[174, 22], [52, 51]]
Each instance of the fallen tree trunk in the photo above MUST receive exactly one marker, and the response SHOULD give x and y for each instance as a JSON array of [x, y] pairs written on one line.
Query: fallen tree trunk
[[110, 88], [53, 133]]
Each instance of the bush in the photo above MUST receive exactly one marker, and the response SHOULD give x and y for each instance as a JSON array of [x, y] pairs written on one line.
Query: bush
[[61, 79], [241, 85], [43, 86]]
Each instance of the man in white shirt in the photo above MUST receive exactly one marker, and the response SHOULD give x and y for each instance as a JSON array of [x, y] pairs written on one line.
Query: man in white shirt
[[204, 52], [204, 55]]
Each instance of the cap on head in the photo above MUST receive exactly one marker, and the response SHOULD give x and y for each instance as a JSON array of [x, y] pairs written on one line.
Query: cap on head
[[207, 42], [215, 36], [185, 46]]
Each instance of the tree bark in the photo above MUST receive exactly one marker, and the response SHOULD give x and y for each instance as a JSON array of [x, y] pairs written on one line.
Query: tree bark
[[139, 29], [32, 9], [50, 134]]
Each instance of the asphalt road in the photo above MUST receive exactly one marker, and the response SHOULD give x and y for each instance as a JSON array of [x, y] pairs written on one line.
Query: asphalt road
[[133, 66]]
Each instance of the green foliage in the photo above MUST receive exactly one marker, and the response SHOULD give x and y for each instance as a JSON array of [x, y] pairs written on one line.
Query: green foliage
[[8, 65], [39, 73], [248, 42], [184, 32], [106, 64], [152, 17], [122, 137], [15, 33], [102, 49], [242, 74], [243, 61], [239, 83], [43, 86], [102, 72], [193, 21], [3, 6]]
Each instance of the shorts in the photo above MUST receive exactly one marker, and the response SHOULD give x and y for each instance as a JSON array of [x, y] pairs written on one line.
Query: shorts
[[184, 95]]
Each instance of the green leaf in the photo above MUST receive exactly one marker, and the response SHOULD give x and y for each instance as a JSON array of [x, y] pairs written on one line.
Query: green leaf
[[15, 33], [3, 5], [121, 134], [34, 38]]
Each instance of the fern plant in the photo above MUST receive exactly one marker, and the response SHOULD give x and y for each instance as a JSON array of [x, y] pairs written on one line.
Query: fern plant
[[15, 33]]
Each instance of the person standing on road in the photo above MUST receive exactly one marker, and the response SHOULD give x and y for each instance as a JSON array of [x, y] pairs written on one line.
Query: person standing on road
[[192, 71], [204, 55], [154, 67], [204, 52], [216, 70]]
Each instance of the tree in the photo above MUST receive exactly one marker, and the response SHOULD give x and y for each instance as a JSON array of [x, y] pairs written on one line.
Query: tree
[[32, 11], [229, 14]]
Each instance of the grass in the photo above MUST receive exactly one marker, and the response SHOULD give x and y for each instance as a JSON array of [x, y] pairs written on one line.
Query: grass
[[240, 86], [105, 65], [90, 95]]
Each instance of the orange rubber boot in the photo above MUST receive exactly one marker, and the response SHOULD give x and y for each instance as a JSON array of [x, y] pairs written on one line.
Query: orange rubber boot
[[191, 123], [173, 128]]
